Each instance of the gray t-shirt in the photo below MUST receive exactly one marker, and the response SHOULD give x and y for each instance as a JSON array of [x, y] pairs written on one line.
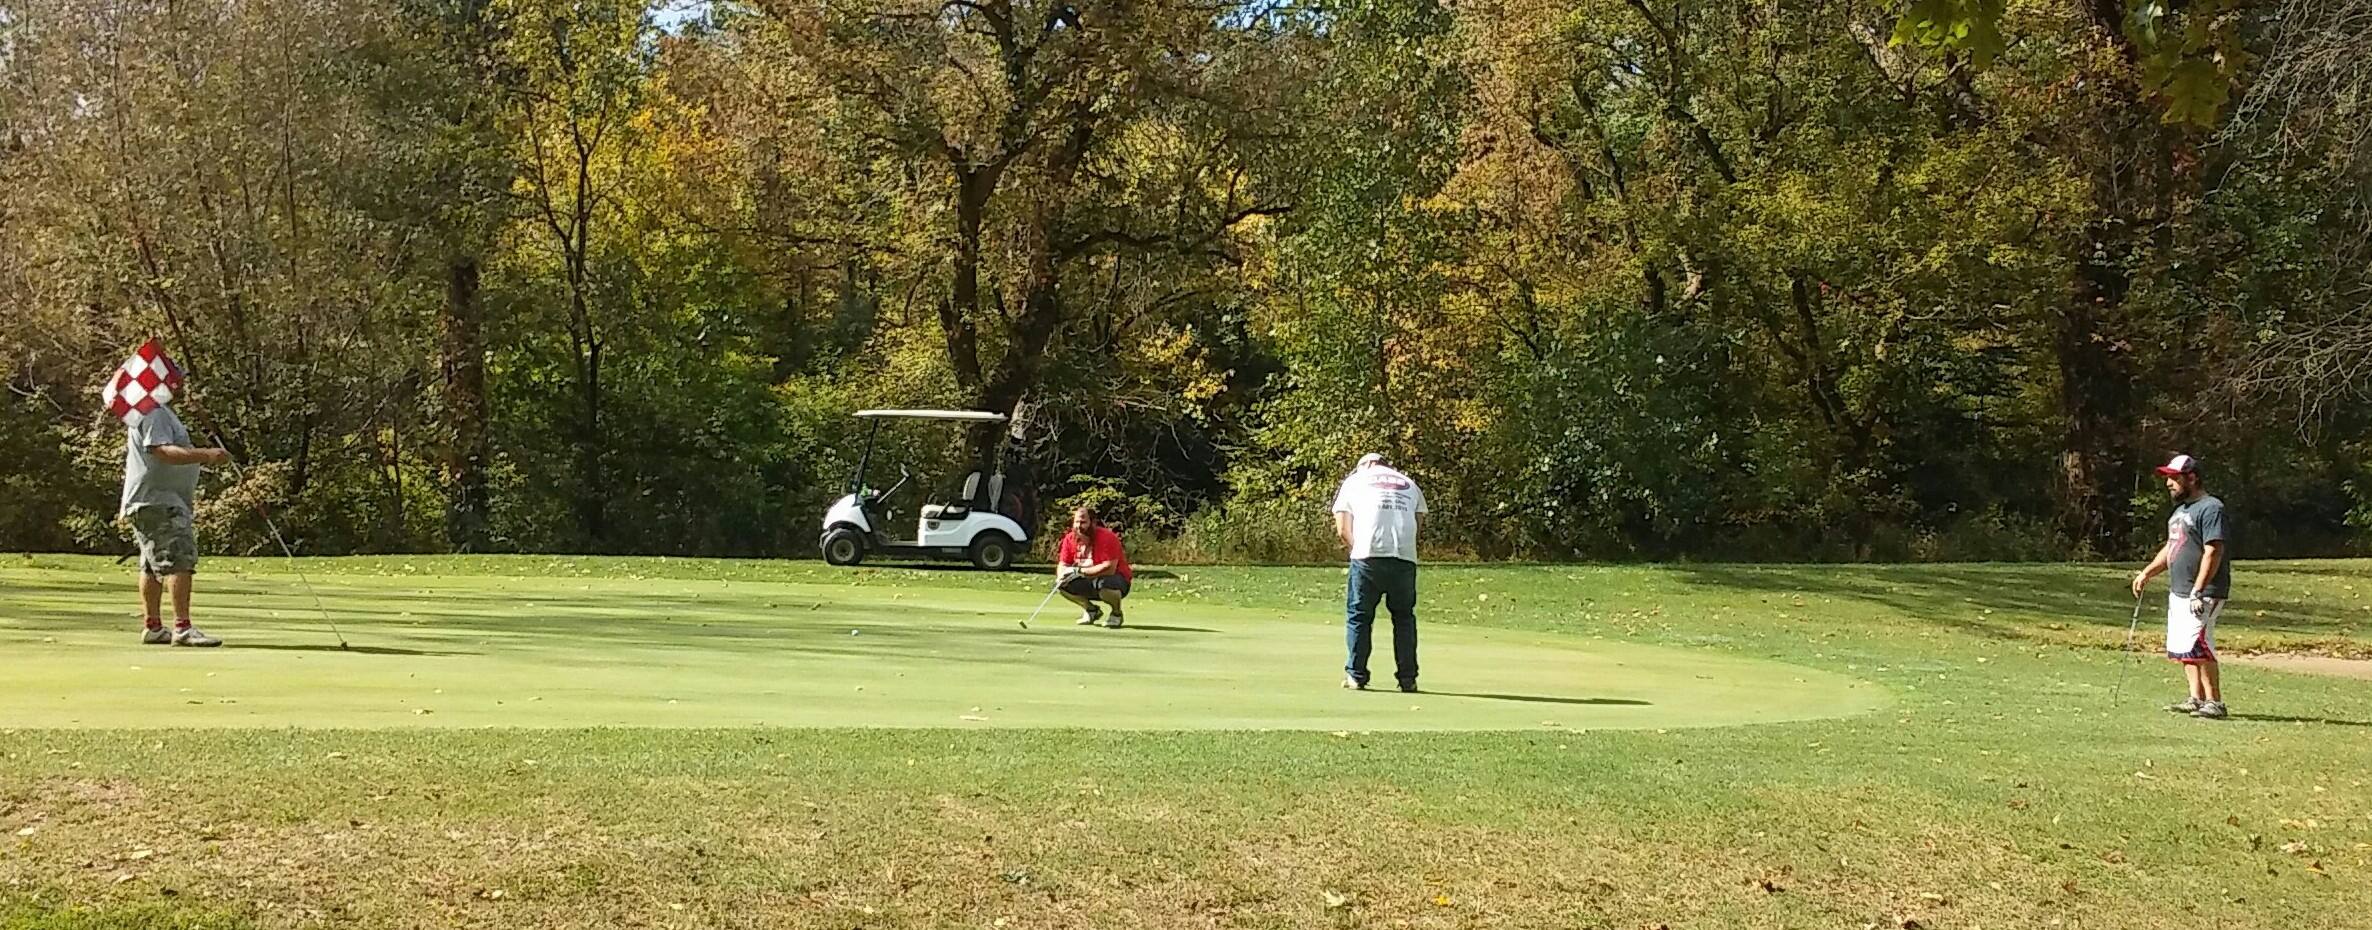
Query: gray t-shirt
[[148, 480], [2192, 527]]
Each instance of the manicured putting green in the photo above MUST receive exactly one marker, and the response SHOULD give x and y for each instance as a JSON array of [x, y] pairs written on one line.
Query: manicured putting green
[[490, 650]]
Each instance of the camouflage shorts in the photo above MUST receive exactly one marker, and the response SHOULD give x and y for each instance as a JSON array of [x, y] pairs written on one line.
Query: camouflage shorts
[[168, 543]]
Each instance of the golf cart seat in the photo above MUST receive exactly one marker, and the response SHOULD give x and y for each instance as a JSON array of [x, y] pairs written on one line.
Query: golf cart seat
[[959, 509]]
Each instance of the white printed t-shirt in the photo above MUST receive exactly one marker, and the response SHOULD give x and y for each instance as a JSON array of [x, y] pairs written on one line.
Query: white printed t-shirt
[[1383, 504]]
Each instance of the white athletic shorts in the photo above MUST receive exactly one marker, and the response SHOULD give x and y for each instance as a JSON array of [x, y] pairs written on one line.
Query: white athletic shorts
[[2191, 637]]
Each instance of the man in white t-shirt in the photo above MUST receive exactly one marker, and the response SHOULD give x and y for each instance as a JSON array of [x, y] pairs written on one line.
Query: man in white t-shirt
[[1375, 515]]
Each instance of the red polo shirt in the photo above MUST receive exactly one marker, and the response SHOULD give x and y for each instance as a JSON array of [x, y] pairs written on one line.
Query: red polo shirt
[[1106, 548]]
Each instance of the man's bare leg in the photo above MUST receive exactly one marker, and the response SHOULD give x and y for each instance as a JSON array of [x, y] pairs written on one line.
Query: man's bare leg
[[2211, 677], [152, 596], [180, 584]]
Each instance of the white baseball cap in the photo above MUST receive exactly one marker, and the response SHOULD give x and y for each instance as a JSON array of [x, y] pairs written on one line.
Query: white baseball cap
[[1371, 458], [2180, 465]]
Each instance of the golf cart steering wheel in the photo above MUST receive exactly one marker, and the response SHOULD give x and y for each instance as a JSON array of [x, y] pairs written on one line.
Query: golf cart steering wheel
[[903, 477]]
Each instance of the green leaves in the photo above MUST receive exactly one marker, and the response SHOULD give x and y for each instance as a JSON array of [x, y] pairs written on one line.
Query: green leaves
[[2191, 62], [1972, 27], [2189, 59]]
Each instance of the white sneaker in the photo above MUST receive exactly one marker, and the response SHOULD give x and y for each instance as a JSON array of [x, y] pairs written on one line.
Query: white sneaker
[[192, 636], [156, 636], [1091, 617]]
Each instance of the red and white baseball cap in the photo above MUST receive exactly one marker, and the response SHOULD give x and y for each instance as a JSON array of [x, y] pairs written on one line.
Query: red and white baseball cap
[[2180, 465]]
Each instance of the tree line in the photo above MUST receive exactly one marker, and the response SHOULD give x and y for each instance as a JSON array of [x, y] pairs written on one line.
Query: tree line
[[1792, 279]]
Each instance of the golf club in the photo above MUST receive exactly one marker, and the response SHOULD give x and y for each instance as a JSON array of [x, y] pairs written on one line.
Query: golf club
[[1025, 624], [2125, 669]]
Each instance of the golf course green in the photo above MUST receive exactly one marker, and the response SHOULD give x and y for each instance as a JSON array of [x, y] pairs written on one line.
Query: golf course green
[[844, 649], [536, 742]]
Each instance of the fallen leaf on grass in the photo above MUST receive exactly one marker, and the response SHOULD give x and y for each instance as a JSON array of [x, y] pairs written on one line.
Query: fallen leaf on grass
[[2294, 848], [1336, 900], [142, 853], [28, 831], [972, 717], [1441, 900]]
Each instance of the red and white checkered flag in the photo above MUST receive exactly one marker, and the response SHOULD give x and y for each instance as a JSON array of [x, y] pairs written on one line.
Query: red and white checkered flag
[[146, 381]]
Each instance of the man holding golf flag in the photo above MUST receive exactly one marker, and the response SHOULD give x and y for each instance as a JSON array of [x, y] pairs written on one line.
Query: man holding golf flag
[[161, 467], [2199, 583]]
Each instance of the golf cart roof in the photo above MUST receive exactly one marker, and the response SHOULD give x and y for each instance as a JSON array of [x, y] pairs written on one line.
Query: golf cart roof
[[975, 416]]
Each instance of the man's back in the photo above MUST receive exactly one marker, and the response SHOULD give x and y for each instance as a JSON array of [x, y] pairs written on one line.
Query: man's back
[[1383, 504]]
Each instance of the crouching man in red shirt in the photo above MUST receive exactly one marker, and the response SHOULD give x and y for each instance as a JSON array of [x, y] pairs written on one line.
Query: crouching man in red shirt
[[1092, 569]]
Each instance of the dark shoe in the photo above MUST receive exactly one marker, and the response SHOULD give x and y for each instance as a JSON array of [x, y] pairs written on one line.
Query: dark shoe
[[2188, 706], [2210, 710], [1352, 684], [1408, 687]]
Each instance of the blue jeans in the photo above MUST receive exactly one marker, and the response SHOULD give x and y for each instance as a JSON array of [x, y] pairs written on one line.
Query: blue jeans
[[1394, 582]]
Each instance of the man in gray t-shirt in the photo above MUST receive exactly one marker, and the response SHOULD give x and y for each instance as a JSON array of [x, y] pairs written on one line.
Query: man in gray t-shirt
[[160, 490], [2198, 566]]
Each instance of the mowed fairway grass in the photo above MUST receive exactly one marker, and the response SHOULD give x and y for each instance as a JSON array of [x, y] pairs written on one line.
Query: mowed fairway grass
[[534, 742]]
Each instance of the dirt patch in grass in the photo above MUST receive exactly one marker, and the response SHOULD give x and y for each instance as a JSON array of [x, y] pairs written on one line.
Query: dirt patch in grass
[[2359, 669]]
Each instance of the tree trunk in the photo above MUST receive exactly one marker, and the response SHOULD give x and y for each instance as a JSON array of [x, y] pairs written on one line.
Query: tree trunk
[[463, 364], [956, 316], [2096, 402]]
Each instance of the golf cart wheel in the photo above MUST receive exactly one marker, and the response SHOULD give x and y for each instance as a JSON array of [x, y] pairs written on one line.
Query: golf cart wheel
[[992, 552], [843, 547]]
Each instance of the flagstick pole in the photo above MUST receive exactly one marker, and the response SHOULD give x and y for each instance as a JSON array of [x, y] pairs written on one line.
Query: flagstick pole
[[293, 564]]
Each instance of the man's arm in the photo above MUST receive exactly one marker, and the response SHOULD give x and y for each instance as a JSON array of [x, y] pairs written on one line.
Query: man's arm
[[184, 455], [1342, 527], [2210, 554], [2142, 578]]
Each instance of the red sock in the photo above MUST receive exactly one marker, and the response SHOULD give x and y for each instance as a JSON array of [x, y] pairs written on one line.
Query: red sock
[[181, 623], [153, 623]]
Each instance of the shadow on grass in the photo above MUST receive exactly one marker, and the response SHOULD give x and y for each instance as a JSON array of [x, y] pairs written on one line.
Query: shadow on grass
[[2001, 601], [350, 649], [2277, 718], [1544, 699], [1157, 628]]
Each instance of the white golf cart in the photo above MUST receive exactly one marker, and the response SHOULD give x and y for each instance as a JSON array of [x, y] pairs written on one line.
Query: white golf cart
[[981, 522]]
